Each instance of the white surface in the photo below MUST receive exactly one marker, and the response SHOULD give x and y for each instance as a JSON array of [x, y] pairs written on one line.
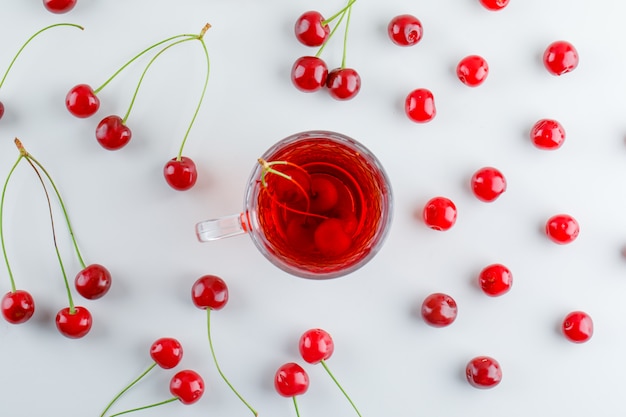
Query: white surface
[[388, 360]]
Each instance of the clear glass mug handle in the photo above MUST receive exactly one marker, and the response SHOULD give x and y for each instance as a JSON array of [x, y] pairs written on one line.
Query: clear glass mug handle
[[222, 227]]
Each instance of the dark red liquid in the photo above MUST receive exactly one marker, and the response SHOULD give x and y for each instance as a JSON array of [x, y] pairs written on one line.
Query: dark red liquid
[[329, 213]]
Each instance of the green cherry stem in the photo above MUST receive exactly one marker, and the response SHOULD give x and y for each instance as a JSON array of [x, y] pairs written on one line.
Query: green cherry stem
[[145, 407], [323, 362], [219, 370], [4, 252], [29, 40], [345, 38], [295, 406], [330, 35], [339, 13], [129, 386]]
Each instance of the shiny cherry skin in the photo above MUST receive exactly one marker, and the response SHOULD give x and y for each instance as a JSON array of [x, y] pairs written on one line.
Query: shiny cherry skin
[[577, 327], [547, 134], [483, 372], [494, 5], [17, 306], [495, 280], [440, 213], [560, 57], [405, 30], [209, 291], [81, 101], [310, 28], [59, 6], [291, 380], [112, 133], [343, 83], [488, 184], [439, 310], [187, 386], [562, 228], [472, 70], [309, 73], [316, 345], [93, 282], [419, 105], [74, 325], [166, 352], [181, 174]]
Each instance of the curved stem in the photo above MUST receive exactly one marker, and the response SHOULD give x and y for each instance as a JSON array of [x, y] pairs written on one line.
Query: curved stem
[[145, 407], [4, 252], [345, 38], [340, 387], [133, 59], [28, 41], [54, 236], [295, 405], [332, 32], [339, 13], [217, 366], [129, 386]]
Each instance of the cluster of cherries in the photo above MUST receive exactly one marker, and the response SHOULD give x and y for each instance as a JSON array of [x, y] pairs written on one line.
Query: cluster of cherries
[[112, 133], [186, 386], [92, 281]]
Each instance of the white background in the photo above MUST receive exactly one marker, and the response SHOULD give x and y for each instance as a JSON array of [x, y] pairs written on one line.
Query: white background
[[389, 361]]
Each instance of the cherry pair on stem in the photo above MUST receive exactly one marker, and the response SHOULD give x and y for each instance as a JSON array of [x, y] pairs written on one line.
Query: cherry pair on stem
[[310, 73], [112, 133], [92, 282], [186, 386], [315, 346]]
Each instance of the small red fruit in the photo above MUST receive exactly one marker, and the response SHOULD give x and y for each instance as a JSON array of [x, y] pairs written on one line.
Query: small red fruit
[[209, 291], [420, 105], [495, 280], [562, 228], [59, 6], [74, 325], [291, 380], [180, 173], [577, 327], [472, 70], [81, 101], [309, 73], [439, 310], [488, 184], [494, 5], [187, 386], [547, 134], [483, 372], [112, 133], [405, 30], [93, 282], [17, 306], [310, 29], [343, 83], [167, 352], [439, 213], [316, 345], [560, 57]]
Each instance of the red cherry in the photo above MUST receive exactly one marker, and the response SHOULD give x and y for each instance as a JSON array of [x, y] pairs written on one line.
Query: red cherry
[[562, 228], [187, 386], [472, 70], [316, 345], [577, 327], [331, 238], [495, 280], [405, 30], [310, 29], [560, 57], [291, 380], [494, 5], [112, 133], [309, 73], [324, 194], [180, 173], [420, 105], [167, 352], [1, 109], [547, 134], [17, 306], [440, 213], [93, 282], [74, 325], [488, 184], [439, 310], [343, 83], [59, 6], [483, 372], [81, 101], [209, 291]]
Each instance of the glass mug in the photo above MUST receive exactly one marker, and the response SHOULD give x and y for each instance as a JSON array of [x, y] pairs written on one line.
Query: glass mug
[[317, 205]]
